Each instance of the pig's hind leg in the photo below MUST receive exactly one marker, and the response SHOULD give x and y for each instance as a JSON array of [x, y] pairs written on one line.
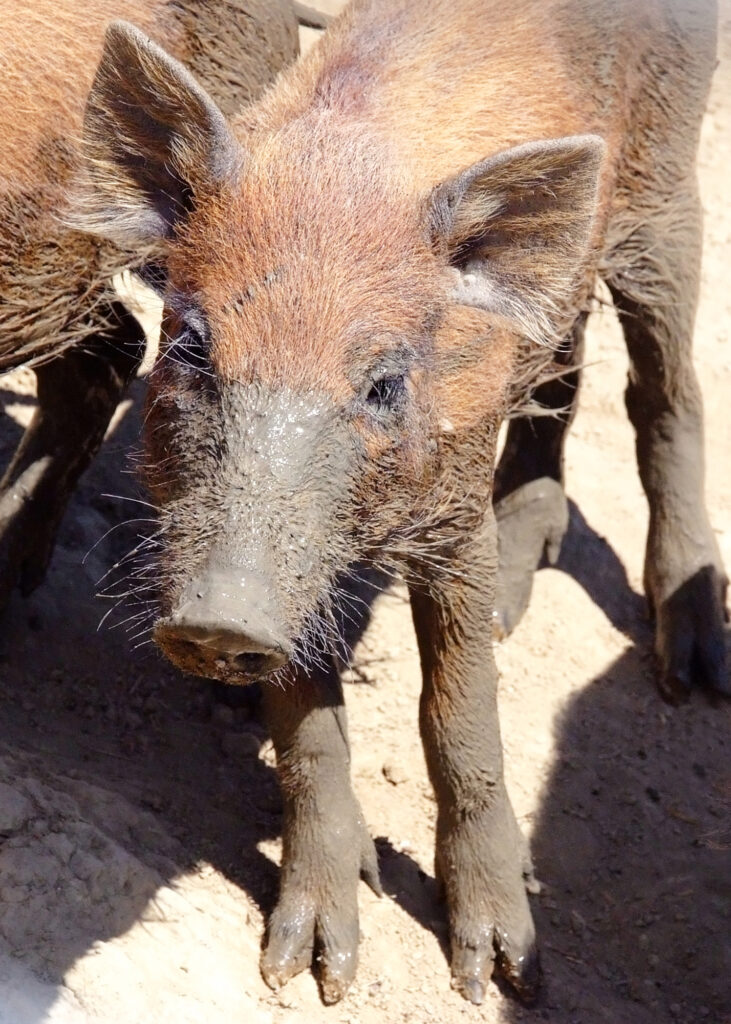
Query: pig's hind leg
[[652, 266], [653, 274], [78, 392], [530, 504], [326, 846]]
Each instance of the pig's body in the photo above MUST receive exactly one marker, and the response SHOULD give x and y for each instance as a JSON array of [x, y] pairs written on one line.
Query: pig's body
[[354, 266], [55, 284]]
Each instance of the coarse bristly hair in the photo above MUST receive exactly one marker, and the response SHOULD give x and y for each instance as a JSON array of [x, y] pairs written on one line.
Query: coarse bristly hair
[[355, 217]]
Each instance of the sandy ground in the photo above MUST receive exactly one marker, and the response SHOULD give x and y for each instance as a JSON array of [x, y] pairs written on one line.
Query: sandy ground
[[139, 812]]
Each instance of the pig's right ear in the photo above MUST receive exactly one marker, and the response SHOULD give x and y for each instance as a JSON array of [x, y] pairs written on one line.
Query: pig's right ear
[[152, 139]]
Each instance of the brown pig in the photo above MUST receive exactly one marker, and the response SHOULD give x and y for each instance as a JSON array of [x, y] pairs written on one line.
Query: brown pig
[[359, 269], [58, 312]]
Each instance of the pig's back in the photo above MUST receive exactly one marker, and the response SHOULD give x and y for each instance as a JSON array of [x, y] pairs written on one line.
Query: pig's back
[[450, 82], [49, 51]]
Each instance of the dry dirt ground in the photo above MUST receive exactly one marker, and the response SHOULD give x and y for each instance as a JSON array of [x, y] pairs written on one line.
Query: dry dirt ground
[[139, 812]]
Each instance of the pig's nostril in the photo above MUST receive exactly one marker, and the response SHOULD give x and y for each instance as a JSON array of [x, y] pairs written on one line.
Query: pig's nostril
[[253, 657], [252, 664], [258, 662]]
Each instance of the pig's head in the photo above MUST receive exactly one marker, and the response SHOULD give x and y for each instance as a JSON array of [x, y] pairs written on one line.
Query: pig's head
[[329, 337]]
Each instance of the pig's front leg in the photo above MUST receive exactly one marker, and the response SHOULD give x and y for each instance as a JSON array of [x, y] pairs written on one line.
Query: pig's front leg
[[326, 846], [481, 857]]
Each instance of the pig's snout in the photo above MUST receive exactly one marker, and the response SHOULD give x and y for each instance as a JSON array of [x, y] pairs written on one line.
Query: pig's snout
[[223, 628], [253, 652]]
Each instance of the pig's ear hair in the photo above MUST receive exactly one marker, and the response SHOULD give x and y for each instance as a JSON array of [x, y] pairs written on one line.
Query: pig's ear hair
[[152, 138], [516, 229]]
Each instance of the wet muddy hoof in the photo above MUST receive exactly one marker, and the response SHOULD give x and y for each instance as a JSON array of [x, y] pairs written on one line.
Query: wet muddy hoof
[[290, 951], [286, 957], [532, 520], [472, 967], [525, 977], [692, 637], [297, 930]]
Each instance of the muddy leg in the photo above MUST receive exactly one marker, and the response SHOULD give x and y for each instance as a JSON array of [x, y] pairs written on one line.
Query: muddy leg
[[655, 293], [530, 504], [326, 846], [480, 854], [77, 395]]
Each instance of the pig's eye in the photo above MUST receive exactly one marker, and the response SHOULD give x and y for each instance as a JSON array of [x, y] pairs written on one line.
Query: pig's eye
[[387, 394], [190, 347]]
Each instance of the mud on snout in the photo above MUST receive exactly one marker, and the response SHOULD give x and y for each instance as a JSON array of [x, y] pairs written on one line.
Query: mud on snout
[[255, 529]]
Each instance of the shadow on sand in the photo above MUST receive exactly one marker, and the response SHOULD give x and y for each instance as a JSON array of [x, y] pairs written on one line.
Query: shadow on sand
[[628, 841]]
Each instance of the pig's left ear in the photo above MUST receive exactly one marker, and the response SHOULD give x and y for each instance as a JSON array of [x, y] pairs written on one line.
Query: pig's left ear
[[152, 139], [516, 229]]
